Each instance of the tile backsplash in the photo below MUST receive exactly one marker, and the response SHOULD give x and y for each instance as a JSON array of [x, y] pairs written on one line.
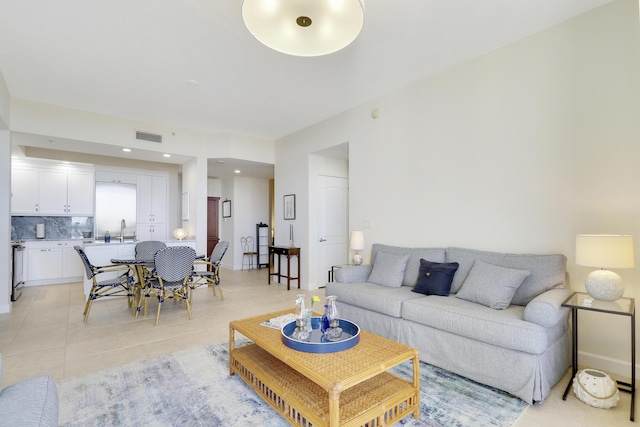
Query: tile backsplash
[[55, 227]]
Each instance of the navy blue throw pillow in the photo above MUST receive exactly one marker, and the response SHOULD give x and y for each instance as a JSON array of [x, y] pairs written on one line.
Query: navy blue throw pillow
[[435, 278]]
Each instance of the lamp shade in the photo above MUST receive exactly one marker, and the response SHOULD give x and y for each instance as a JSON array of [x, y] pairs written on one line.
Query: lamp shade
[[304, 27], [605, 250], [356, 242]]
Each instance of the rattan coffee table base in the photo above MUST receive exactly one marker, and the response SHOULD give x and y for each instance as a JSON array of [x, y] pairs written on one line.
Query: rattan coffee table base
[[378, 401], [350, 388]]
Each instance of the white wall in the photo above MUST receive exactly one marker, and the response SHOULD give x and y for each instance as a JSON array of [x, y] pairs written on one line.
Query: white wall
[[250, 207], [518, 150], [5, 199], [5, 220], [214, 187]]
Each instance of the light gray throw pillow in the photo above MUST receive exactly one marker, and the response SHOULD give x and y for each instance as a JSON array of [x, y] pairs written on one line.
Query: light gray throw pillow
[[388, 269], [491, 285]]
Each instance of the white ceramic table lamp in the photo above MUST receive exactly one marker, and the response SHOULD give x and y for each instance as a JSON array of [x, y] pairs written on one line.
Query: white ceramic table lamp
[[357, 244], [179, 233], [604, 251]]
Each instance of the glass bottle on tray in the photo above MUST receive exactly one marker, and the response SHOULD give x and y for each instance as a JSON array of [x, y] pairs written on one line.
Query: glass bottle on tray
[[300, 333], [333, 331]]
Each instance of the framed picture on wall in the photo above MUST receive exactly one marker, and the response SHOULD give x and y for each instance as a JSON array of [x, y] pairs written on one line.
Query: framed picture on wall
[[226, 209], [290, 206]]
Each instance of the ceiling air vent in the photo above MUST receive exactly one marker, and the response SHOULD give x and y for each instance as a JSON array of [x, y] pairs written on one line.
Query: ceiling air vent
[[146, 136]]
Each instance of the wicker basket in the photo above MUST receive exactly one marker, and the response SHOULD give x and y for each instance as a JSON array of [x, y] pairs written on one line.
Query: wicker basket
[[596, 388]]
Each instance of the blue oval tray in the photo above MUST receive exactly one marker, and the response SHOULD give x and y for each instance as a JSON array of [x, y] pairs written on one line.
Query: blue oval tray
[[317, 343]]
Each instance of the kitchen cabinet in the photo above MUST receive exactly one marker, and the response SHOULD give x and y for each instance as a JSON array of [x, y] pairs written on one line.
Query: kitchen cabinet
[[24, 189], [115, 177], [152, 231], [152, 207], [52, 262], [47, 188], [80, 193]]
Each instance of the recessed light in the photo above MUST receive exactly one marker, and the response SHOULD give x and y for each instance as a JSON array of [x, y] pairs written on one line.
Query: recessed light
[[166, 155], [236, 171], [126, 150], [220, 161]]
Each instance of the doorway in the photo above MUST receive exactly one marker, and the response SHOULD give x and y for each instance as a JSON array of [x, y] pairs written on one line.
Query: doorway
[[333, 199], [213, 236]]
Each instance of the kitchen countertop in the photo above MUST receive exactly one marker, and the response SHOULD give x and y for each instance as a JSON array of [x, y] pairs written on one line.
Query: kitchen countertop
[[127, 242]]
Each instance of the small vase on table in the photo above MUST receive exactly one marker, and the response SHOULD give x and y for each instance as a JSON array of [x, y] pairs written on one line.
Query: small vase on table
[[300, 333], [334, 331]]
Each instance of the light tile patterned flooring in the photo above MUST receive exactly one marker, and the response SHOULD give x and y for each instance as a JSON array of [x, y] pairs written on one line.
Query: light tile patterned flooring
[[45, 334]]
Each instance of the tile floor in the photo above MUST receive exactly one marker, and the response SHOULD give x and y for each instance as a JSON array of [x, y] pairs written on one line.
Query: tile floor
[[45, 334]]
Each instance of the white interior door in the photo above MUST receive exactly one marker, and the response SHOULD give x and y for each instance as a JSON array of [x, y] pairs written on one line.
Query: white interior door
[[333, 235]]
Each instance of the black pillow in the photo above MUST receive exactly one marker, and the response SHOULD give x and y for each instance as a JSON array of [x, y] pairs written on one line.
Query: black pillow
[[435, 278]]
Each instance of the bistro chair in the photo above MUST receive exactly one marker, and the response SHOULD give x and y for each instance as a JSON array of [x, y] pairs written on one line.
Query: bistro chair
[[115, 286], [146, 250], [247, 250], [173, 270], [211, 276]]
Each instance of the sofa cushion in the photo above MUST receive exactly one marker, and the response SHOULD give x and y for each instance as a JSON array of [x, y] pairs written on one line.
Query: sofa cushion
[[547, 271], [413, 263], [503, 328], [369, 296], [388, 269], [491, 285], [434, 278]]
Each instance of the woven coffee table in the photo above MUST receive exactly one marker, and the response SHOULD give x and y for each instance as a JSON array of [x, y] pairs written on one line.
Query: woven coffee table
[[346, 388]]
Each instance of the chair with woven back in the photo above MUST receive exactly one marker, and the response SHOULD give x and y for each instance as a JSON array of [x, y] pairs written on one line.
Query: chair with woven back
[[173, 271], [211, 275], [146, 250], [121, 285], [248, 250]]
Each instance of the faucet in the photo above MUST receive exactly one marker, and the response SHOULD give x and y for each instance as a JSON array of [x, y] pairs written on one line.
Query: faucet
[[123, 225]]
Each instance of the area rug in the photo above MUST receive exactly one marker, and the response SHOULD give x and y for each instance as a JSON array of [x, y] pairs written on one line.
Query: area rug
[[193, 388]]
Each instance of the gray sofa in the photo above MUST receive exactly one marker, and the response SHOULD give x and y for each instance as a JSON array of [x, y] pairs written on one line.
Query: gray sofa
[[29, 403], [501, 322]]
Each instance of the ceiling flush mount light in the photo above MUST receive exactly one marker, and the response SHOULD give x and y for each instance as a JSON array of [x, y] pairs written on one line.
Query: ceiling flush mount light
[[304, 27]]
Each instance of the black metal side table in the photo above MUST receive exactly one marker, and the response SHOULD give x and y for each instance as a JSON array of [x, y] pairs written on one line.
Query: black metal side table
[[621, 307]]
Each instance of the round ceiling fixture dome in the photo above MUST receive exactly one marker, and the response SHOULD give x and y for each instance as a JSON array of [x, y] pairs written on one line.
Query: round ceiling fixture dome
[[304, 27]]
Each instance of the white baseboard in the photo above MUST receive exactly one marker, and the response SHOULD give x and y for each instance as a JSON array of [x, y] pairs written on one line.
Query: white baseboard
[[5, 308], [620, 369]]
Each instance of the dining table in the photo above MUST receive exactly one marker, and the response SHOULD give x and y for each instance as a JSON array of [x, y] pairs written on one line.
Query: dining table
[[142, 267]]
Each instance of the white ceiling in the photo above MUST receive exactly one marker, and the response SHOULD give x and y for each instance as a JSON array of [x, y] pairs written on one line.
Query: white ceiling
[[134, 59]]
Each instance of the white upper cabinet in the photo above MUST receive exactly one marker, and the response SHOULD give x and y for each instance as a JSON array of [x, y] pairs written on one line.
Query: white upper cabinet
[[53, 192], [80, 193], [152, 196], [24, 190], [51, 189]]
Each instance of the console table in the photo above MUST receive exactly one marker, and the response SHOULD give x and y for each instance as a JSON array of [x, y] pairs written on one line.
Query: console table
[[289, 252]]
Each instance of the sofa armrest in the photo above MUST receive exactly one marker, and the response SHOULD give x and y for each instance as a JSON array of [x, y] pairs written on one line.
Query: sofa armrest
[[30, 403], [546, 309], [352, 273]]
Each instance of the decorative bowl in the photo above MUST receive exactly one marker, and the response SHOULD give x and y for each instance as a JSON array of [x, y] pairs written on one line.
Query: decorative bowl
[[596, 388]]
